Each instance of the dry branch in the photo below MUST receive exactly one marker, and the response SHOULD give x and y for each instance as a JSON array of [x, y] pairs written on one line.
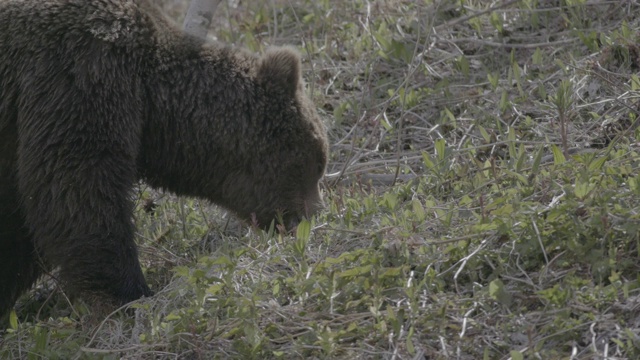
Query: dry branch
[[198, 19]]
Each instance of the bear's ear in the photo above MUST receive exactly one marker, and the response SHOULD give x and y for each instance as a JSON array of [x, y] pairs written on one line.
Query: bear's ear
[[279, 69]]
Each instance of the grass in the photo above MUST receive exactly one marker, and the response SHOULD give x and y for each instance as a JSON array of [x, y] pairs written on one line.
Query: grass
[[483, 199]]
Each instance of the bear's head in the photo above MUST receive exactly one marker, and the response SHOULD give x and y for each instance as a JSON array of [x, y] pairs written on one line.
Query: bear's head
[[286, 145]]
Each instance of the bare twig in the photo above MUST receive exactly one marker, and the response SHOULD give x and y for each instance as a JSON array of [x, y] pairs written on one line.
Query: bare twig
[[199, 15]]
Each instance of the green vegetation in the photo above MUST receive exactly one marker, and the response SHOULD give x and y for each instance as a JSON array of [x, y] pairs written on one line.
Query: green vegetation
[[483, 199]]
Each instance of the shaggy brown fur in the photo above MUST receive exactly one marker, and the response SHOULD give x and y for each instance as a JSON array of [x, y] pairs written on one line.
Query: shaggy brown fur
[[95, 95]]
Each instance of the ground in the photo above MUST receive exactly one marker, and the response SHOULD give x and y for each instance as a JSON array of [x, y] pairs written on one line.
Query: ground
[[482, 199]]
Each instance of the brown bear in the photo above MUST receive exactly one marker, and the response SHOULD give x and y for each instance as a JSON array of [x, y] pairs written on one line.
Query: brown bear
[[95, 95]]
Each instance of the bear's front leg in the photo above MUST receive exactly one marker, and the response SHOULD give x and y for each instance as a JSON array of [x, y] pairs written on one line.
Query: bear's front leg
[[79, 134], [78, 208]]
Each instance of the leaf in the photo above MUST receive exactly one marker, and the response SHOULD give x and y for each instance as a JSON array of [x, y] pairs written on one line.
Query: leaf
[[493, 80], [215, 289], [418, 210], [536, 161], [390, 200], [635, 82], [522, 156], [449, 115], [511, 137], [505, 210], [558, 156], [308, 18], [410, 348], [172, 317], [426, 158], [463, 65], [494, 287], [356, 271], [440, 147], [304, 230], [222, 260], [303, 233], [504, 101], [13, 320], [537, 57], [485, 134], [498, 292], [634, 184], [181, 271], [582, 188], [496, 21], [42, 338], [597, 163]]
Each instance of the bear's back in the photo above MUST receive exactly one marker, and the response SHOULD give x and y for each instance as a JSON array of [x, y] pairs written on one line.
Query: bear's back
[[49, 22]]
